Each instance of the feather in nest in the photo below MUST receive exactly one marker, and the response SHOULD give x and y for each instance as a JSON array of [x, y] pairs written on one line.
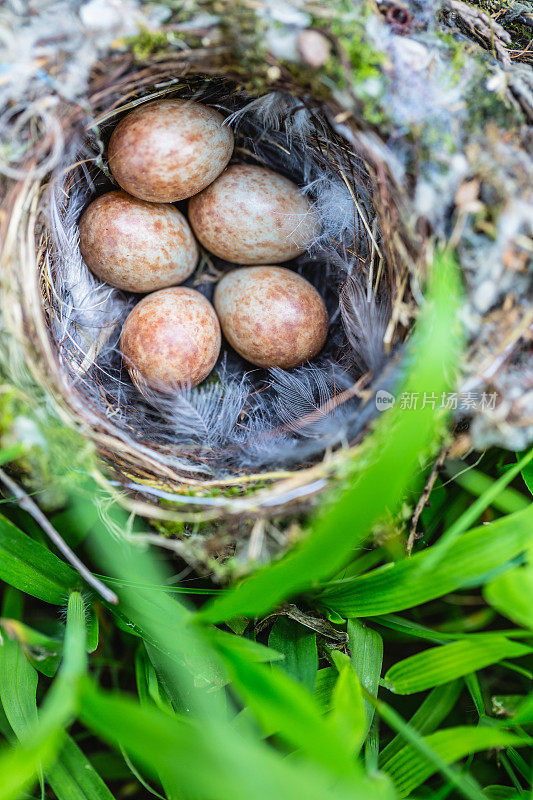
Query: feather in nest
[[365, 321]]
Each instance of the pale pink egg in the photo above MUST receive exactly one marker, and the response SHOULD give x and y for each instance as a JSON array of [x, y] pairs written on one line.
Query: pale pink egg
[[168, 150], [135, 245], [251, 215], [271, 316], [171, 339]]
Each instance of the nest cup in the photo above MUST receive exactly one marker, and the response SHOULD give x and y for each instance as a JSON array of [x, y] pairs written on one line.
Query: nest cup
[[247, 441]]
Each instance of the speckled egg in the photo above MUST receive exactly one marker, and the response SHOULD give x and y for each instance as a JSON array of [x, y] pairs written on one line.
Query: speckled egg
[[135, 245], [271, 316], [251, 215], [171, 339], [168, 150]]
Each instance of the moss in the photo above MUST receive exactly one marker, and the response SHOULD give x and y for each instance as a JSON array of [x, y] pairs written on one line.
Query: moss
[[456, 53], [55, 457], [365, 77], [489, 106], [148, 43], [245, 33], [171, 527]]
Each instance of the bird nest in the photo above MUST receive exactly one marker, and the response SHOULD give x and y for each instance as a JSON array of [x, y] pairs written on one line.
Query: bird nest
[[246, 439]]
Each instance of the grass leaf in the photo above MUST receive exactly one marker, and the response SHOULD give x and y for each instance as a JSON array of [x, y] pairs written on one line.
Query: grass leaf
[[429, 715], [348, 713], [439, 665], [73, 777], [466, 785], [18, 688], [43, 740], [298, 646], [511, 594], [506, 500], [394, 587], [524, 712], [449, 537], [366, 648], [210, 759], [285, 707], [527, 472], [408, 768], [246, 647], [32, 568], [326, 678]]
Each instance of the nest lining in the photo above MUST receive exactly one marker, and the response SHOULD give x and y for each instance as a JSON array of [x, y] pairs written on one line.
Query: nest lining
[[241, 419]]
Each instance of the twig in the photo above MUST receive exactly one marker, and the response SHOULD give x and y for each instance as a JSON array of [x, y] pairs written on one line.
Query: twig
[[27, 504], [423, 499]]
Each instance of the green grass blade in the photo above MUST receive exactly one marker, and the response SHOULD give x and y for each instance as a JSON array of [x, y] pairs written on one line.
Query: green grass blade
[[466, 785], [93, 632], [366, 648], [29, 637], [283, 706], [12, 453], [348, 713], [447, 540], [409, 628], [439, 665], [211, 760], [42, 651], [298, 646], [405, 584], [73, 777], [245, 647], [42, 741], [392, 459], [497, 792], [524, 712], [20, 765], [434, 710], [326, 679], [475, 692], [512, 595], [32, 568], [527, 472], [409, 768], [18, 688], [188, 659], [75, 646], [508, 500]]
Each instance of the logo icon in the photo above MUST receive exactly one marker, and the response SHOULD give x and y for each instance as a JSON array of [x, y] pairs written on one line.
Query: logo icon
[[384, 400]]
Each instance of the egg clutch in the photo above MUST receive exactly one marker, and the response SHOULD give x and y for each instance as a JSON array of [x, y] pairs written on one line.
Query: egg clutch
[[171, 150]]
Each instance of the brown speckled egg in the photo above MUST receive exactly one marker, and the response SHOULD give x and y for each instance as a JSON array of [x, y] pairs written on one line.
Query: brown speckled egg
[[168, 150], [251, 215], [135, 245], [271, 316], [171, 339]]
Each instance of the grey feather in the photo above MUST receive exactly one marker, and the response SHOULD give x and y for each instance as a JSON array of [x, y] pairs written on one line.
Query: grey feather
[[365, 322]]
